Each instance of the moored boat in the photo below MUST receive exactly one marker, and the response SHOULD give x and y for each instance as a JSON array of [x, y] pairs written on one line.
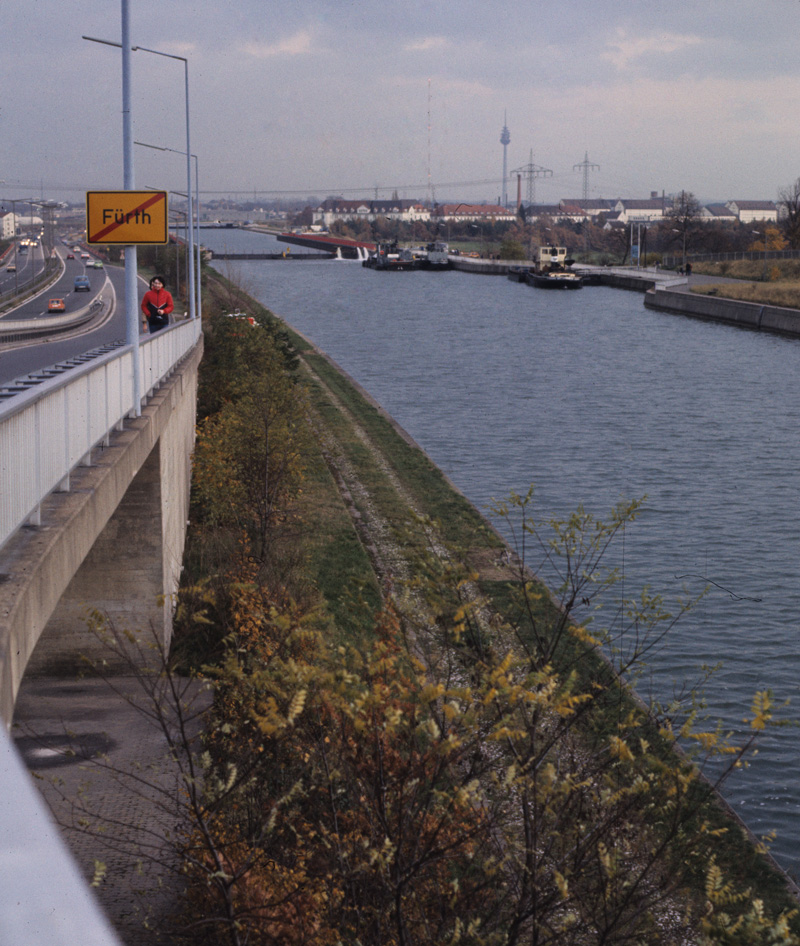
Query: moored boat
[[551, 272], [388, 257], [555, 279], [436, 256]]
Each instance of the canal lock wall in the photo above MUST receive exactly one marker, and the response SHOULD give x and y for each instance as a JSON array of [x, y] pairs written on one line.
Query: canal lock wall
[[749, 315]]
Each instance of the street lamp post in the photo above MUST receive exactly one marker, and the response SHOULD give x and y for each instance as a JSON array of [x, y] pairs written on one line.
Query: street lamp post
[[475, 226], [759, 233], [684, 245], [178, 214], [131, 259], [197, 242], [13, 202], [186, 227], [639, 228], [39, 243], [127, 142], [185, 61], [198, 283]]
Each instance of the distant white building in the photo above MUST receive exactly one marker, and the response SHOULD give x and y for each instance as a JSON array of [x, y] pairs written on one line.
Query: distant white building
[[473, 213], [589, 209], [333, 209], [640, 211], [748, 211], [7, 228], [562, 212], [717, 213], [29, 221]]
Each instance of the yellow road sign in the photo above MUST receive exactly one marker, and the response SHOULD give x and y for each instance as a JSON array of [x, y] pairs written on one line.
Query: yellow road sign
[[128, 217]]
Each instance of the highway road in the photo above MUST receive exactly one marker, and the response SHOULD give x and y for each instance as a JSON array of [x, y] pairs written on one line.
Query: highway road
[[29, 263], [18, 361]]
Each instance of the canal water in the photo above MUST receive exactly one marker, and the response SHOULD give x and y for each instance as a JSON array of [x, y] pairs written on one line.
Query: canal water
[[593, 398]]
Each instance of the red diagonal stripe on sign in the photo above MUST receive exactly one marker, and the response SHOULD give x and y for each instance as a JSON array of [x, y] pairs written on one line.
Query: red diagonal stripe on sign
[[95, 238]]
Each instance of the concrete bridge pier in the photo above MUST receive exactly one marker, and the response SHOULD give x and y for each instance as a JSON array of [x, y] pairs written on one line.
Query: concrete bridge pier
[[131, 571], [113, 543]]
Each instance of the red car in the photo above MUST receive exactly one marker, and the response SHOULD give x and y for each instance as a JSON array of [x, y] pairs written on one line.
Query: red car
[[70, 256], [56, 305]]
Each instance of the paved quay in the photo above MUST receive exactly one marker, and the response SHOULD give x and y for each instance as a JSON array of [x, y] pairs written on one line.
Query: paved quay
[[102, 764], [643, 277]]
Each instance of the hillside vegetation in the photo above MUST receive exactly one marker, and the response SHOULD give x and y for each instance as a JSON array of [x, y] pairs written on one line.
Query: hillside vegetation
[[776, 282], [412, 740]]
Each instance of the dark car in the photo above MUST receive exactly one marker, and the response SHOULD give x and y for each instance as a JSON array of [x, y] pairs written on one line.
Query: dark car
[[70, 256], [82, 284]]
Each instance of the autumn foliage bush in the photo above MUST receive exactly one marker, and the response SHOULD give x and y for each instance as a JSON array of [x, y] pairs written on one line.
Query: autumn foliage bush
[[372, 795], [463, 775]]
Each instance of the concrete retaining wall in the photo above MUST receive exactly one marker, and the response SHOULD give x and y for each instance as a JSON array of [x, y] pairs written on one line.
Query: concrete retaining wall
[[634, 282], [750, 315]]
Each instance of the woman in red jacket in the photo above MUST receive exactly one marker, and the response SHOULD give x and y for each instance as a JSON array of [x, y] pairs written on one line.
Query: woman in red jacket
[[156, 305]]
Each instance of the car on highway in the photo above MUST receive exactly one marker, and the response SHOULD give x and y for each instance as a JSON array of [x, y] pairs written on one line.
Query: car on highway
[[11, 268], [85, 256], [56, 305], [82, 284], [70, 256]]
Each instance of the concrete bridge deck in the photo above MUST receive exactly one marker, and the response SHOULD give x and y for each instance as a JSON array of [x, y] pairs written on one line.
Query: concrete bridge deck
[[105, 495], [113, 540]]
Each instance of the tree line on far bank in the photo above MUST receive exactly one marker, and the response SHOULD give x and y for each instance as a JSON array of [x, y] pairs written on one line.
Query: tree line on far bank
[[683, 229]]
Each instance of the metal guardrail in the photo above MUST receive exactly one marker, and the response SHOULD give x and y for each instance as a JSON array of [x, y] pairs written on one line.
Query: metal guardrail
[[670, 260], [17, 330], [49, 429], [51, 268], [25, 330]]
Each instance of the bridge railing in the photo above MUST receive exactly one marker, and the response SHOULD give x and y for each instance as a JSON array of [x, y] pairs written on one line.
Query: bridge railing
[[49, 430], [46, 901]]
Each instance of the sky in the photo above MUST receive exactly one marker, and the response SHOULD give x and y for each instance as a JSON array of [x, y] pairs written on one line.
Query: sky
[[358, 97]]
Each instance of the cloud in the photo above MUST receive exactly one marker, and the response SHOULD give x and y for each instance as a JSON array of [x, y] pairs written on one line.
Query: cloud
[[427, 44], [625, 49], [299, 44]]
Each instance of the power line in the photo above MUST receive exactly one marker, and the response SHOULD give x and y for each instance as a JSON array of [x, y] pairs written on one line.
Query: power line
[[251, 192], [531, 171], [422, 187], [586, 166]]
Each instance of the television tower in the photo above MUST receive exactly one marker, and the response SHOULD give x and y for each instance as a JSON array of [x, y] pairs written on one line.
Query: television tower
[[505, 139]]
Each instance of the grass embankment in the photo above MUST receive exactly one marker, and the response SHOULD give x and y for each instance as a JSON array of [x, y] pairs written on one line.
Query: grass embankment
[[560, 800], [774, 282], [466, 531]]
